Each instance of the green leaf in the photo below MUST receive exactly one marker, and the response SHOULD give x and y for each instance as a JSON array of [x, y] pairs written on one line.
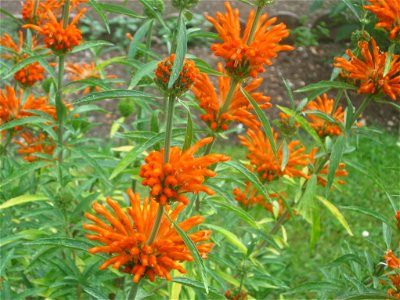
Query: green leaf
[[239, 212], [353, 9], [264, 120], [336, 156], [5, 260], [139, 34], [336, 213], [145, 70], [116, 9], [22, 199], [324, 116], [304, 124], [95, 293], [21, 171], [90, 45], [231, 237], [193, 251], [189, 133], [306, 202], [204, 67], [251, 177], [368, 212], [365, 295], [387, 235], [112, 94], [155, 13], [285, 154], [14, 18], [181, 49], [214, 293], [23, 63], [315, 286], [99, 171], [94, 4], [326, 85], [23, 121], [389, 59], [345, 259], [63, 242], [290, 93]]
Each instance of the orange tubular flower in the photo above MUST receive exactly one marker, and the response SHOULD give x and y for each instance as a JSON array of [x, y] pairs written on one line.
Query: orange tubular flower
[[41, 13], [34, 145], [11, 107], [27, 75], [184, 81], [236, 294], [322, 127], [126, 238], [55, 36], [266, 164], [388, 13], [250, 197], [183, 173], [247, 58], [83, 71], [370, 70], [392, 261], [394, 264], [239, 108]]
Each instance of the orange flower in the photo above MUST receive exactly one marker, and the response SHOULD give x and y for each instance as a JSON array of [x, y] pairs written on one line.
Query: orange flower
[[388, 13], [184, 82], [250, 197], [398, 217], [83, 71], [236, 294], [41, 13], [56, 37], [34, 145], [182, 174], [11, 107], [127, 235], [31, 73], [392, 261], [322, 127], [266, 164], [239, 108], [247, 58], [370, 71]]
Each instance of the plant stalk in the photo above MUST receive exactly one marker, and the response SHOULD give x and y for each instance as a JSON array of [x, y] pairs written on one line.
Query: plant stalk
[[254, 25], [133, 291]]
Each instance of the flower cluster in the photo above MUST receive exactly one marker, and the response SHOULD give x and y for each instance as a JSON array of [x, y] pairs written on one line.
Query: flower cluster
[[126, 238], [183, 83], [236, 294], [30, 74], [243, 57], [323, 127], [394, 265], [31, 145], [370, 71], [182, 174], [56, 36], [388, 13], [267, 165], [239, 107]]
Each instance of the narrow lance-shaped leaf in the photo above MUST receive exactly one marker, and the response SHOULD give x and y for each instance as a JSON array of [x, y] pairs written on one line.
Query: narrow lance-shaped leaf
[[90, 45], [336, 213], [326, 84], [113, 94], [290, 93], [94, 4], [23, 170], [336, 156], [230, 236], [285, 153], [264, 120], [189, 133], [22, 199], [181, 48], [116, 9], [145, 70], [193, 250], [139, 35]]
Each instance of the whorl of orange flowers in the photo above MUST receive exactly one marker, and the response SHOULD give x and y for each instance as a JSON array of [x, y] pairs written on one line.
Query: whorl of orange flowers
[[323, 127], [182, 174], [83, 71], [126, 236], [247, 58], [236, 294], [239, 107], [185, 80], [268, 166], [388, 13], [12, 108], [369, 70], [394, 264], [32, 144], [56, 37], [41, 13], [27, 75], [250, 197]]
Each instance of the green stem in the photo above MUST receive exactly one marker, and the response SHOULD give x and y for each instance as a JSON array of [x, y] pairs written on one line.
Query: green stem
[[60, 116], [175, 33], [168, 129], [65, 13], [229, 96], [35, 8], [254, 25], [156, 225], [133, 291], [281, 220], [362, 107]]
